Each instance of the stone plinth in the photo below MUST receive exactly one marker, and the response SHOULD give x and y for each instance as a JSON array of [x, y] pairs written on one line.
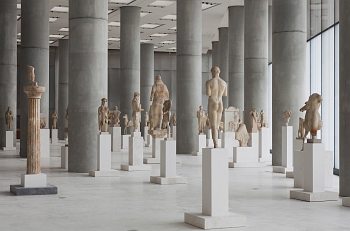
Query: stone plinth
[[287, 151], [116, 138], [157, 136], [64, 157], [346, 201], [264, 145], [9, 142], [54, 137], [229, 141], [200, 143], [45, 143], [148, 141], [125, 141], [174, 132]]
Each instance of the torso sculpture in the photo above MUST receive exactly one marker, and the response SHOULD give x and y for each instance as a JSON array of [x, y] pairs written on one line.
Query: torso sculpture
[[158, 96], [54, 119], [253, 121], [216, 88], [115, 117], [201, 120], [174, 120], [287, 114], [167, 115], [301, 128], [262, 119], [313, 121], [136, 111], [9, 119], [103, 116]]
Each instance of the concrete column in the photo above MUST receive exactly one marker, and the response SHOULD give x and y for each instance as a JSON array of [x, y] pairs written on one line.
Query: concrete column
[[216, 53], [236, 57], [114, 79], [289, 80], [147, 78], [255, 57], [63, 50], [88, 79], [130, 53], [8, 65], [52, 83], [34, 52], [344, 98], [224, 59], [189, 73]]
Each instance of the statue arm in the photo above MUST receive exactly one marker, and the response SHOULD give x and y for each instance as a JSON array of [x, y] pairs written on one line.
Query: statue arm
[[225, 91], [166, 92], [208, 90], [152, 92]]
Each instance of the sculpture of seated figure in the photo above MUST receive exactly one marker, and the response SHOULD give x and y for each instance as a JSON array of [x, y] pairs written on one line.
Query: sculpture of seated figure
[[159, 95]]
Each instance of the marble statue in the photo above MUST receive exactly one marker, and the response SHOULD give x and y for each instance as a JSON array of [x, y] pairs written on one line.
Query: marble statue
[[9, 119], [231, 119], [242, 134], [115, 117], [166, 116], [31, 76], [136, 111], [201, 120], [159, 95], [263, 123], [207, 121], [301, 128], [174, 120], [103, 116], [287, 114], [43, 121], [313, 121], [127, 123], [146, 119], [254, 121], [216, 88], [54, 119]]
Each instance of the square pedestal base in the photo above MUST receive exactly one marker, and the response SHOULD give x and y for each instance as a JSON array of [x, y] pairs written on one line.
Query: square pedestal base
[[247, 165], [194, 153], [313, 197], [265, 159], [290, 174], [151, 160], [111, 173], [9, 149], [19, 190], [132, 168], [231, 220], [164, 180], [346, 201], [280, 169]]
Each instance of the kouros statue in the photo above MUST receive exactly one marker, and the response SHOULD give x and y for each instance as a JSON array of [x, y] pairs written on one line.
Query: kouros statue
[[146, 119], [9, 119], [159, 95], [301, 128], [313, 121], [254, 121], [201, 120], [115, 117], [103, 116], [174, 120], [216, 88], [287, 114], [54, 119], [136, 111], [166, 116], [263, 123]]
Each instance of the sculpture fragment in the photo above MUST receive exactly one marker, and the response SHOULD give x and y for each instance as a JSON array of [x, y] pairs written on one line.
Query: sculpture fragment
[[8, 119], [136, 111], [287, 114], [201, 120], [54, 119], [103, 116], [115, 117], [312, 122]]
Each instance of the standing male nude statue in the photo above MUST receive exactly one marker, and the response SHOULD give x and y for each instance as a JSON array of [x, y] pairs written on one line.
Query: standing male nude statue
[[216, 88]]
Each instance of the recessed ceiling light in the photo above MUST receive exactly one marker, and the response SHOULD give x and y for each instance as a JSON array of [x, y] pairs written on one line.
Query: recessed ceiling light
[[157, 47], [60, 9], [109, 11], [114, 24], [169, 17], [56, 36], [161, 3], [18, 40], [159, 35], [145, 40], [64, 29], [53, 19], [150, 26], [207, 5], [18, 17], [172, 48], [19, 6], [144, 13], [173, 28], [168, 42], [51, 42], [120, 1], [19, 34], [114, 39]]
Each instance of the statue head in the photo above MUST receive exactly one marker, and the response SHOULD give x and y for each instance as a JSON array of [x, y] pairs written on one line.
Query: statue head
[[253, 109], [103, 101], [116, 108], [9, 109], [201, 108], [136, 96], [215, 71], [158, 78]]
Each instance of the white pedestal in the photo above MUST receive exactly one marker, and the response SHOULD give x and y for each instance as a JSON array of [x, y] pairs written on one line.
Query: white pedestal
[[149, 141], [287, 151], [314, 175], [215, 213], [210, 143], [174, 132], [200, 143], [155, 159], [104, 160], [328, 167], [116, 139], [64, 157], [346, 201], [168, 165], [297, 146], [136, 154], [208, 133], [264, 145], [54, 136], [45, 143], [229, 141], [9, 142], [245, 157], [220, 134], [33, 180], [145, 132], [254, 143], [125, 141]]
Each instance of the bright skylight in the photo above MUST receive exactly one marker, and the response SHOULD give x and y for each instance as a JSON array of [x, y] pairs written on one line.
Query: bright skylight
[[64, 29], [60, 9], [169, 17], [56, 36], [145, 40], [161, 3], [168, 42], [114, 39], [173, 28], [206, 5], [150, 26], [143, 13], [172, 48], [19, 34], [18, 40], [51, 42], [159, 35], [114, 24], [18, 17], [120, 1], [19, 6], [53, 19]]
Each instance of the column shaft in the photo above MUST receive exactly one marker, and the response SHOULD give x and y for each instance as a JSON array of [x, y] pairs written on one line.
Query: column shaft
[[8, 65], [114, 87], [224, 59], [63, 51], [87, 79], [189, 73], [216, 53], [255, 57], [34, 52], [52, 84], [236, 57]]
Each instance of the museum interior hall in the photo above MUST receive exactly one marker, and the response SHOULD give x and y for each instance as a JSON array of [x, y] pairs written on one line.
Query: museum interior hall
[[167, 115]]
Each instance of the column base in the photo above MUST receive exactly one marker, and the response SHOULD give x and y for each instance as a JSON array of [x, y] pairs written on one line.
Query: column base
[[346, 201], [151, 160], [247, 165], [64, 157], [9, 149], [171, 180], [231, 220], [19, 190], [280, 169], [290, 174], [111, 173], [132, 168], [313, 197]]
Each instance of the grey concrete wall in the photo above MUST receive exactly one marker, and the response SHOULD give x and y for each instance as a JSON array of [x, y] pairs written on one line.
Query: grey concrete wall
[[224, 61], [63, 79], [52, 83], [215, 53], [114, 85]]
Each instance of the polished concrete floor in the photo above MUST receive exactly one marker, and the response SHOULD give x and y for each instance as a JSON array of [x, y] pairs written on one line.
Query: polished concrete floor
[[131, 203]]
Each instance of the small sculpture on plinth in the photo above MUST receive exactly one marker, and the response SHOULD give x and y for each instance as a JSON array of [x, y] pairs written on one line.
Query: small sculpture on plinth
[[127, 123], [43, 121], [254, 121], [136, 111], [146, 119], [301, 130], [115, 117], [173, 121], [201, 120], [103, 116], [216, 88], [54, 119], [287, 114], [312, 122], [31, 76], [263, 123], [166, 116], [8, 119]]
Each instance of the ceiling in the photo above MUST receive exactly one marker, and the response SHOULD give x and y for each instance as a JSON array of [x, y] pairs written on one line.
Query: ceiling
[[213, 18]]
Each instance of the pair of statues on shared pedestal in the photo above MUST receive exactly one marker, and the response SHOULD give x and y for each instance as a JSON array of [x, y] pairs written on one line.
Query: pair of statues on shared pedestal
[[8, 119]]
